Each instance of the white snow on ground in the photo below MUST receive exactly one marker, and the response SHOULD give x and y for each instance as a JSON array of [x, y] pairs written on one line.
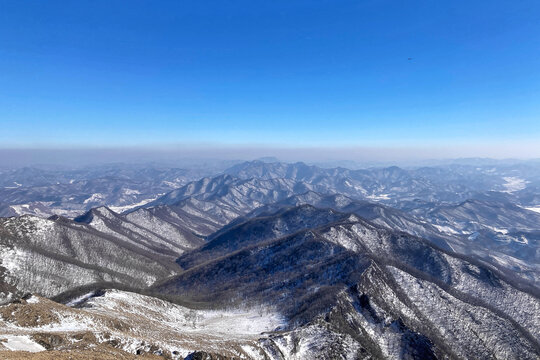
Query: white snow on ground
[[70, 323], [252, 352], [496, 229], [11, 259], [378, 197], [218, 322], [357, 188], [66, 212], [80, 299], [508, 260], [131, 192], [514, 184], [20, 343], [13, 187], [310, 341], [178, 182], [94, 197], [34, 209], [45, 209], [504, 238], [121, 209], [534, 208], [167, 325], [446, 229], [32, 300], [19, 208]]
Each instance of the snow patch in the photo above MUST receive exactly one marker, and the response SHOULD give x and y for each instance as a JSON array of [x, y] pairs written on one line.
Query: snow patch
[[446, 229], [121, 209], [32, 300], [20, 343], [378, 197], [239, 322], [252, 352], [521, 239], [496, 229], [131, 192], [514, 184], [508, 260], [32, 209], [534, 208], [94, 198], [80, 299]]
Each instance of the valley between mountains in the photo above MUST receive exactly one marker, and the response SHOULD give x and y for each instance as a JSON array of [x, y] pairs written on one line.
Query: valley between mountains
[[270, 260]]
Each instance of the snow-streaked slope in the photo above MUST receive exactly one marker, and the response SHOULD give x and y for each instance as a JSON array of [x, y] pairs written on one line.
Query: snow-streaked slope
[[182, 237], [137, 324], [50, 256], [255, 231], [400, 295], [210, 203], [142, 229], [376, 213]]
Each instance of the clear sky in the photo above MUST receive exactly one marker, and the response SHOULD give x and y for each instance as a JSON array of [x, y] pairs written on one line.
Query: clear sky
[[270, 73]]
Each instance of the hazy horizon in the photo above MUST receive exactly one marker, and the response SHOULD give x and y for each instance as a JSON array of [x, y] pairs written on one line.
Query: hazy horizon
[[394, 80], [353, 156]]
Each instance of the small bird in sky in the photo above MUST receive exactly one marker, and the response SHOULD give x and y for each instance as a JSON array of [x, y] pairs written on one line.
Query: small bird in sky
[[409, 58]]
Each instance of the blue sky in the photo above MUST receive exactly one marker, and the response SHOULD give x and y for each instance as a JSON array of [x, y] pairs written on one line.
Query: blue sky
[[269, 73]]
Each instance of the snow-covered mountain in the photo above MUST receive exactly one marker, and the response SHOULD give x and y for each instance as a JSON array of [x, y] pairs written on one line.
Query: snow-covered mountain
[[51, 256], [501, 234], [392, 293], [272, 261], [142, 229], [71, 192], [214, 202], [397, 187]]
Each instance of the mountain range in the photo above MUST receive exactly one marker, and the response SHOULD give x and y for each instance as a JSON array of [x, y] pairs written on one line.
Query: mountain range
[[269, 260]]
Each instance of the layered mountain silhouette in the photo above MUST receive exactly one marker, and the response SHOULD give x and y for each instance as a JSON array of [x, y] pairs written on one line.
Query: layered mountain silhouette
[[270, 260], [353, 276]]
